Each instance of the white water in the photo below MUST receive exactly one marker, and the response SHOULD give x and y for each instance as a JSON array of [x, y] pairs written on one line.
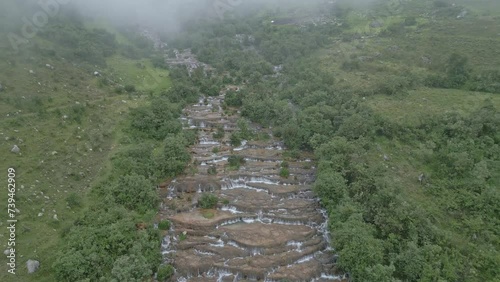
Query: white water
[[282, 213]]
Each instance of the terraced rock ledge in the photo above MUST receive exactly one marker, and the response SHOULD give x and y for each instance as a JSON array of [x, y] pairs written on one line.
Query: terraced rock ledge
[[265, 227]]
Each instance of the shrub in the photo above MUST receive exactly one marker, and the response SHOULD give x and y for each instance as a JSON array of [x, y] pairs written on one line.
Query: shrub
[[164, 225], [212, 170], [119, 90], [74, 200], [135, 192], [235, 140], [284, 172], [233, 99], [410, 21], [208, 201], [130, 88], [236, 161], [165, 272], [350, 65], [457, 70], [182, 237], [220, 133]]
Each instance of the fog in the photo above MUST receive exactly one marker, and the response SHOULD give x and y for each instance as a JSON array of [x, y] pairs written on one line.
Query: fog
[[162, 15], [169, 15]]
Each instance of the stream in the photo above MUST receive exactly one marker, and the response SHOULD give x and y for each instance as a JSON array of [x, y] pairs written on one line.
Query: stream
[[265, 227]]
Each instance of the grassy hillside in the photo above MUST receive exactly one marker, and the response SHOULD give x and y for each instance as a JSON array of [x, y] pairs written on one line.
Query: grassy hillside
[[68, 123]]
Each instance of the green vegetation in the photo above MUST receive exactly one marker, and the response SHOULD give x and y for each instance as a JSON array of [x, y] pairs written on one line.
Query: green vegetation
[[220, 133], [208, 214], [208, 201], [236, 161], [407, 150], [212, 170], [164, 225], [284, 172], [165, 272], [402, 114], [89, 168]]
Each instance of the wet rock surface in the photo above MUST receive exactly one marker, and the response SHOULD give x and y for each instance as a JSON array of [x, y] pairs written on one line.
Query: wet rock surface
[[265, 228]]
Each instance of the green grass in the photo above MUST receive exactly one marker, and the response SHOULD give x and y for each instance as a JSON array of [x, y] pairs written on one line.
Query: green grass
[[208, 214], [418, 104], [139, 73], [63, 152], [103, 24]]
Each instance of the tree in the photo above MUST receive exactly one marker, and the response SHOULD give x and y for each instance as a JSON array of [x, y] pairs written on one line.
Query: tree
[[165, 272], [174, 158], [331, 187], [135, 192], [359, 251], [130, 268], [457, 70]]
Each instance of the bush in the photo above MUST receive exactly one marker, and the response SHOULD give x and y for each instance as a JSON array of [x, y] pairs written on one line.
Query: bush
[[457, 70], [410, 21], [164, 225], [284, 172], [74, 200], [119, 90], [233, 99], [130, 88], [165, 272], [350, 65], [236, 161], [235, 140], [212, 170], [220, 133], [208, 201], [135, 192]]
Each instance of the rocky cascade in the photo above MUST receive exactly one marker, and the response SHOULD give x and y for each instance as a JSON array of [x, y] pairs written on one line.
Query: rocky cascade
[[268, 226]]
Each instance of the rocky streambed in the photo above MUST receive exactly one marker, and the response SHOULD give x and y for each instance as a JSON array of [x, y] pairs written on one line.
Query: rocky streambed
[[266, 227]]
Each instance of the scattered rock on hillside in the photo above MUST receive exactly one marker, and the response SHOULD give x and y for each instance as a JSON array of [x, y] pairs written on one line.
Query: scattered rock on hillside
[[49, 66], [426, 60], [32, 265], [32, 72], [15, 150], [462, 14], [96, 73], [376, 24], [6, 252]]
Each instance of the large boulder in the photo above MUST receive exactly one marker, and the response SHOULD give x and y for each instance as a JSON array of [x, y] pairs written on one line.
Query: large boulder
[[376, 24], [32, 265], [15, 150]]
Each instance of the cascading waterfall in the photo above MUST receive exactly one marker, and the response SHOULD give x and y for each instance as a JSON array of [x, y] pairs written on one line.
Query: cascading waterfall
[[284, 211]]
